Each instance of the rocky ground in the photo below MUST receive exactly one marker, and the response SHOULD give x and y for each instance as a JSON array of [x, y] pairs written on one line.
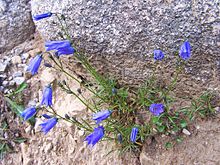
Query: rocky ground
[[64, 144]]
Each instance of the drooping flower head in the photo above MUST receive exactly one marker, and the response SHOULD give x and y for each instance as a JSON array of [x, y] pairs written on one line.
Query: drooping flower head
[[133, 135], [158, 55], [95, 136], [120, 139], [102, 115], [46, 116], [34, 64], [48, 125], [28, 113], [185, 51], [61, 47], [114, 91], [156, 109], [47, 96], [42, 16]]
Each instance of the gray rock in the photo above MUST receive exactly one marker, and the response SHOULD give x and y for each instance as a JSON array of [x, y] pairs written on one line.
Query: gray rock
[[32, 103], [3, 67], [6, 91], [16, 24], [19, 80], [16, 60], [186, 132], [5, 83], [135, 28], [2, 7], [1, 88], [120, 36], [22, 65], [12, 83], [3, 76], [10, 78], [25, 56], [18, 74]]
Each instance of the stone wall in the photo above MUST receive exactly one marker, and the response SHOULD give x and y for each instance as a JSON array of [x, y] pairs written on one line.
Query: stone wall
[[16, 24], [121, 36]]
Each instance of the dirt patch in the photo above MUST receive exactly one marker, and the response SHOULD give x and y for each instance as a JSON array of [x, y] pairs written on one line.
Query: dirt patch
[[202, 147]]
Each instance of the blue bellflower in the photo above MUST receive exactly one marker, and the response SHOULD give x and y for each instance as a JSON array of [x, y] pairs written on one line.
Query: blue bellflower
[[185, 51], [133, 135], [48, 125], [95, 136], [102, 115], [120, 139], [47, 96], [28, 113], [156, 109], [46, 116], [114, 91], [42, 16], [34, 64], [61, 47], [158, 55]]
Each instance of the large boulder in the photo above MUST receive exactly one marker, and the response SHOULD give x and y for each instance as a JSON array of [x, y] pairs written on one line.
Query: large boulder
[[121, 35], [16, 24]]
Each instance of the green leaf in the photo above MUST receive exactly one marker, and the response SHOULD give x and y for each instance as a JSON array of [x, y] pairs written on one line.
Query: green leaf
[[183, 123], [18, 109], [4, 125], [161, 128], [175, 129], [179, 139], [20, 140], [155, 119], [18, 90], [168, 145]]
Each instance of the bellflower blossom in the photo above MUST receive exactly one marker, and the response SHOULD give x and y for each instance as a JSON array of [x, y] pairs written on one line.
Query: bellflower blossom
[[158, 55], [42, 16], [114, 91], [156, 109], [46, 116], [185, 51], [34, 64], [95, 136], [102, 115], [47, 96], [48, 125], [28, 113], [133, 135], [120, 139], [61, 47]]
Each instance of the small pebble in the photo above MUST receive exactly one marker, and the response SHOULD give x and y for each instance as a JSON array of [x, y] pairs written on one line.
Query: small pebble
[[5, 83], [10, 78], [186, 132], [81, 132], [12, 83], [217, 109], [19, 80], [18, 74], [1, 88], [25, 56], [6, 91], [3, 67], [16, 60], [22, 65]]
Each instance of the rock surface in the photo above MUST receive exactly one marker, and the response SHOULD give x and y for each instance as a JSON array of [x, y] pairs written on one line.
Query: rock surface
[[121, 36], [135, 28], [16, 24]]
